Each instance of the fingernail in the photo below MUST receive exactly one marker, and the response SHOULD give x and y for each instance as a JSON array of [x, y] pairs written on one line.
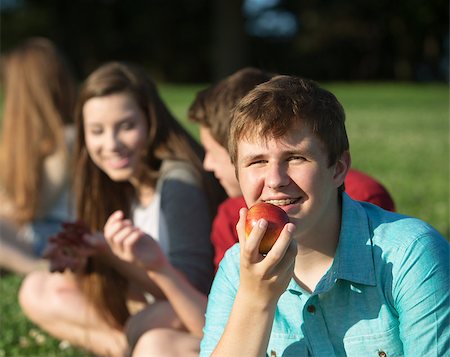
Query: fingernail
[[262, 223], [290, 228]]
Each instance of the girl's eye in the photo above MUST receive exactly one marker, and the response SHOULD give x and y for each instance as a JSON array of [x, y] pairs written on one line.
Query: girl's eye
[[95, 131], [127, 125]]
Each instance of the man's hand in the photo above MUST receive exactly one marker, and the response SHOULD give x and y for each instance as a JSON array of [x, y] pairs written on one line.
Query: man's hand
[[265, 277]]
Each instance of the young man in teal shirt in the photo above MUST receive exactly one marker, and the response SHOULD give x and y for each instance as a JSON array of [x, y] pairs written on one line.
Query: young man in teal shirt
[[344, 277]]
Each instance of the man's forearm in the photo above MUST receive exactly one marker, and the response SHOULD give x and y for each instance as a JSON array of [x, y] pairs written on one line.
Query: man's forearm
[[248, 329]]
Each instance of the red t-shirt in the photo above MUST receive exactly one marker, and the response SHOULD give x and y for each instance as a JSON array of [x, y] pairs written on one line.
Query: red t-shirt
[[362, 187], [358, 185]]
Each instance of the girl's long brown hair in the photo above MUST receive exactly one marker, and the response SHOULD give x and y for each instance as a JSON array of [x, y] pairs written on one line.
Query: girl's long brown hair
[[40, 94], [98, 196]]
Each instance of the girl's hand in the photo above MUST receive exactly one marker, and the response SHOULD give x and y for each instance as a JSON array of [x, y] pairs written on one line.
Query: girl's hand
[[71, 248], [265, 278], [129, 243]]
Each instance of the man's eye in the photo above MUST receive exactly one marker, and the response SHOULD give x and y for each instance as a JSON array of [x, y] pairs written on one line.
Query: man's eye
[[296, 158], [257, 162]]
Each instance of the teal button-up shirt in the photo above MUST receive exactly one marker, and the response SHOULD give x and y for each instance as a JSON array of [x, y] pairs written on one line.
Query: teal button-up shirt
[[386, 293]]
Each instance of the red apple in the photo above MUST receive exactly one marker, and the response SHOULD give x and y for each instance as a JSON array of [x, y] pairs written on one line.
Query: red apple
[[276, 218]]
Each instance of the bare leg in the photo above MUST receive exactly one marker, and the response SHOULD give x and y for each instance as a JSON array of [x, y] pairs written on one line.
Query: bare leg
[[15, 254], [164, 342], [159, 314], [55, 303]]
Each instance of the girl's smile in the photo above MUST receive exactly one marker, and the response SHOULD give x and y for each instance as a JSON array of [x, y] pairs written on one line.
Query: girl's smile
[[115, 132]]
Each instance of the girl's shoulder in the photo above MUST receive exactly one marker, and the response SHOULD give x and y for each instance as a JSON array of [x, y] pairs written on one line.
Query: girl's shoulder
[[181, 171]]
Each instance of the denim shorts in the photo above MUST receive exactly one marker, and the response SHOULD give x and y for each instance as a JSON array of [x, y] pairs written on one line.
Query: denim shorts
[[38, 232]]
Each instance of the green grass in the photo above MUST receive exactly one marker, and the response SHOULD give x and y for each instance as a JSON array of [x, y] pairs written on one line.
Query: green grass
[[20, 337], [399, 133]]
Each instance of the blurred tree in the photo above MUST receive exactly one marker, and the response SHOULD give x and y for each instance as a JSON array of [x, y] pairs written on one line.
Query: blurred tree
[[195, 41], [228, 41], [168, 37], [365, 39]]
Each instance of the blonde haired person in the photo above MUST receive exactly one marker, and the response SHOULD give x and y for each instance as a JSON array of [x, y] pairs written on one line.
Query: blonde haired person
[[36, 137]]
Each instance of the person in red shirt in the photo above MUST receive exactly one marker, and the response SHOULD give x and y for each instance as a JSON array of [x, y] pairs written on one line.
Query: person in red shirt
[[212, 110]]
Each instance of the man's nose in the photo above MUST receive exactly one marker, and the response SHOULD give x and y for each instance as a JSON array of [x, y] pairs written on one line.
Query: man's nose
[[277, 176]]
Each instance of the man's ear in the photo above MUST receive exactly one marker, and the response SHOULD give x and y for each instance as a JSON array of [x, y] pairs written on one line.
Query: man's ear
[[341, 168]]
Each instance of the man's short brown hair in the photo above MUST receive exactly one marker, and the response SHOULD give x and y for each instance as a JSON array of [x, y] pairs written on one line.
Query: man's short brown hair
[[273, 108]]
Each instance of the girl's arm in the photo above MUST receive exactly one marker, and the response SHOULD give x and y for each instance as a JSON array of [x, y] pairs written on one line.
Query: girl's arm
[[139, 250], [185, 209], [188, 302]]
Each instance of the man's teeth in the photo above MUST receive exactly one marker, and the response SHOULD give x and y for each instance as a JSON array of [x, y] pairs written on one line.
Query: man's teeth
[[282, 202]]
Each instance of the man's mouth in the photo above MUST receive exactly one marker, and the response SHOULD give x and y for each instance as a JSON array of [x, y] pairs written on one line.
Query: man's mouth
[[283, 202]]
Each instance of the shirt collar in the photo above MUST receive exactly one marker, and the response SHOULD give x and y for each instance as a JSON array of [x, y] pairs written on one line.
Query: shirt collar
[[353, 260]]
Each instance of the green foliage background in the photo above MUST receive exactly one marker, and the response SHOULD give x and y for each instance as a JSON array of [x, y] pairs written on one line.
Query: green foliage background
[[190, 41], [399, 133]]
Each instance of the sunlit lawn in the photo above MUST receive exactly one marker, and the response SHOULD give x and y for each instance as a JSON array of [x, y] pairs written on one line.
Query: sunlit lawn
[[399, 133]]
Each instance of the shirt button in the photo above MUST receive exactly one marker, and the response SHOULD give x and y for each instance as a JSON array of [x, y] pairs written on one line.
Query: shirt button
[[381, 353], [311, 309]]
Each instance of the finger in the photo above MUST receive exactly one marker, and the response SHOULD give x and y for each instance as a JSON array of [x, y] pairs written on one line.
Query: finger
[[115, 217], [255, 235], [287, 262], [119, 224], [254, 239], [281, 247], [129, 243], [119, 238], [240, 226], [112, 228]]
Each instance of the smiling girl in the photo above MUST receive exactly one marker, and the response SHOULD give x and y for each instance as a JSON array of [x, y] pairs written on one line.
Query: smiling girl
[[137, 170]]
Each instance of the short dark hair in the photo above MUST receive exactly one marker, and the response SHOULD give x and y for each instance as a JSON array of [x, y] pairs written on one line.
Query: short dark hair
[[213, 106], [274, 107]]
